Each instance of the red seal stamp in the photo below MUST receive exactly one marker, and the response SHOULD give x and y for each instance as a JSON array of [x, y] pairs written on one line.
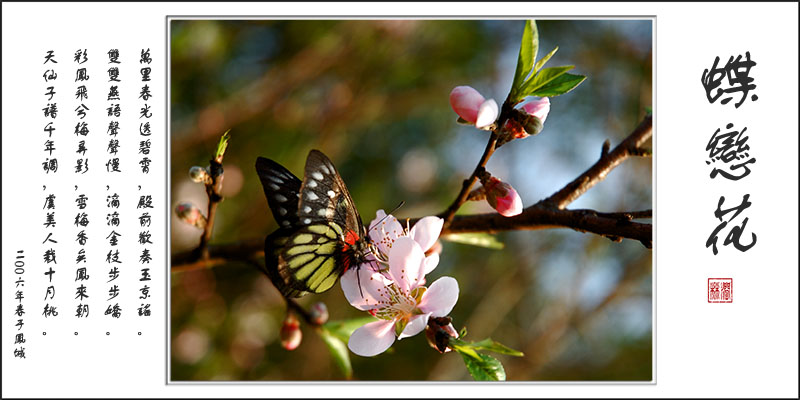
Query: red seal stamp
[[720, 290]]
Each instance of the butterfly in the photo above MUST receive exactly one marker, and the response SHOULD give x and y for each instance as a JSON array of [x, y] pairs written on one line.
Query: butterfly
[[320, 234]]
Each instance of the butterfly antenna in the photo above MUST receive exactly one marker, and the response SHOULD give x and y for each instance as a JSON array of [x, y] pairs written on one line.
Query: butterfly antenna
[[387, 216], [358, 278]]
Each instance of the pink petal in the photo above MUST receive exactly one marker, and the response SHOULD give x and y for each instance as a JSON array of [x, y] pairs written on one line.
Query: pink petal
[[510, 204], [466, 101], [406, 263], [366, 296], [426, 231], [538, 108], [372, 339], [441, 297], [385, 232], [373, 229], [415, 325], [487, 114], [431, 262]]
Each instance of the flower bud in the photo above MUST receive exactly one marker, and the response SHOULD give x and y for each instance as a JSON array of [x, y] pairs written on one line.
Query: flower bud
[[470, 105], [532, 125], [438, 332], [291, 335], [319, 313], [502, 197], [466, 101], [189, 213], [538, 108], [198, 174]]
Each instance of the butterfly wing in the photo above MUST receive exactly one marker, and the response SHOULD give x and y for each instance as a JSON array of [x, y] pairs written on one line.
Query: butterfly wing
[[324, 196], [273, 247], [306, 254], [311, 259], [282, 189], [316, 254]]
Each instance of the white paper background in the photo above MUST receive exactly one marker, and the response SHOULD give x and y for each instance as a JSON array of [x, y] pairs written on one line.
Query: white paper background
[[747, 348]]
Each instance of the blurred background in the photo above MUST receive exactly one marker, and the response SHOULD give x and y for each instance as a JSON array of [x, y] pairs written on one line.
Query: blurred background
[[373, 96]]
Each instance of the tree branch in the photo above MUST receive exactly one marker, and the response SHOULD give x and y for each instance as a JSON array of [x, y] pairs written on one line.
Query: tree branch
[[219, 254], [213, 189], [546, 214], [629, 147], [614, 226]]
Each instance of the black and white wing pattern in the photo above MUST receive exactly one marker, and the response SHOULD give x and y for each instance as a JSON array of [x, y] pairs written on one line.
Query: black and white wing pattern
[[320, 233], [324, 196], [282, 190]]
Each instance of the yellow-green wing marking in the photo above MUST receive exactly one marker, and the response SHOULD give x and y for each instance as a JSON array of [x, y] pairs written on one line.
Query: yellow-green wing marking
[[309, 260]]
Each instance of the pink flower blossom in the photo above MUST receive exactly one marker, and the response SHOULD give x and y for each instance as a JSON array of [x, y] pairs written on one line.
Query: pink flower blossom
[[391, 288], [385, 229], [538, 108], [503, 198], [471, 106]]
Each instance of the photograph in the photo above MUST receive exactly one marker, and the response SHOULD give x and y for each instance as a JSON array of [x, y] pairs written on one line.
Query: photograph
[[482, 200], [411, 200]]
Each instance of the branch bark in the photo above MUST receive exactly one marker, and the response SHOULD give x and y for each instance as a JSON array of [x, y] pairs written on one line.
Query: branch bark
[[629, 147], [614, 226], [546, 214]]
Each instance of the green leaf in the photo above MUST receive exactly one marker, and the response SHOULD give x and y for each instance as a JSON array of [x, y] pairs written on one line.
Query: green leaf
[[462, 121], [545, 59], [485, 368], [222, 146], [339, 352], [343, 329], [542, 78], [527, 54], [497, 347], [559, 85], [476, 239], [463, 348]]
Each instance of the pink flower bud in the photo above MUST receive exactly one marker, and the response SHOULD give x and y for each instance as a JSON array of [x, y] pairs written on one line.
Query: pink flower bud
[[466, 101], [472, 107], [503, 198], [189, 213], [319, 313], [538, 108], [291, 335]]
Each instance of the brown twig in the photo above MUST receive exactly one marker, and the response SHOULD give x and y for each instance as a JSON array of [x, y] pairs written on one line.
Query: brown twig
[[631, 146], [219, 254], [213, 189], [450, 212], [506, 112], [615, 226], [546, 214]]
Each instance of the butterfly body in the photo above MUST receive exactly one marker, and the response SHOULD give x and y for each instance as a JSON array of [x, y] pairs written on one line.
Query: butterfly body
[[320, 234]]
